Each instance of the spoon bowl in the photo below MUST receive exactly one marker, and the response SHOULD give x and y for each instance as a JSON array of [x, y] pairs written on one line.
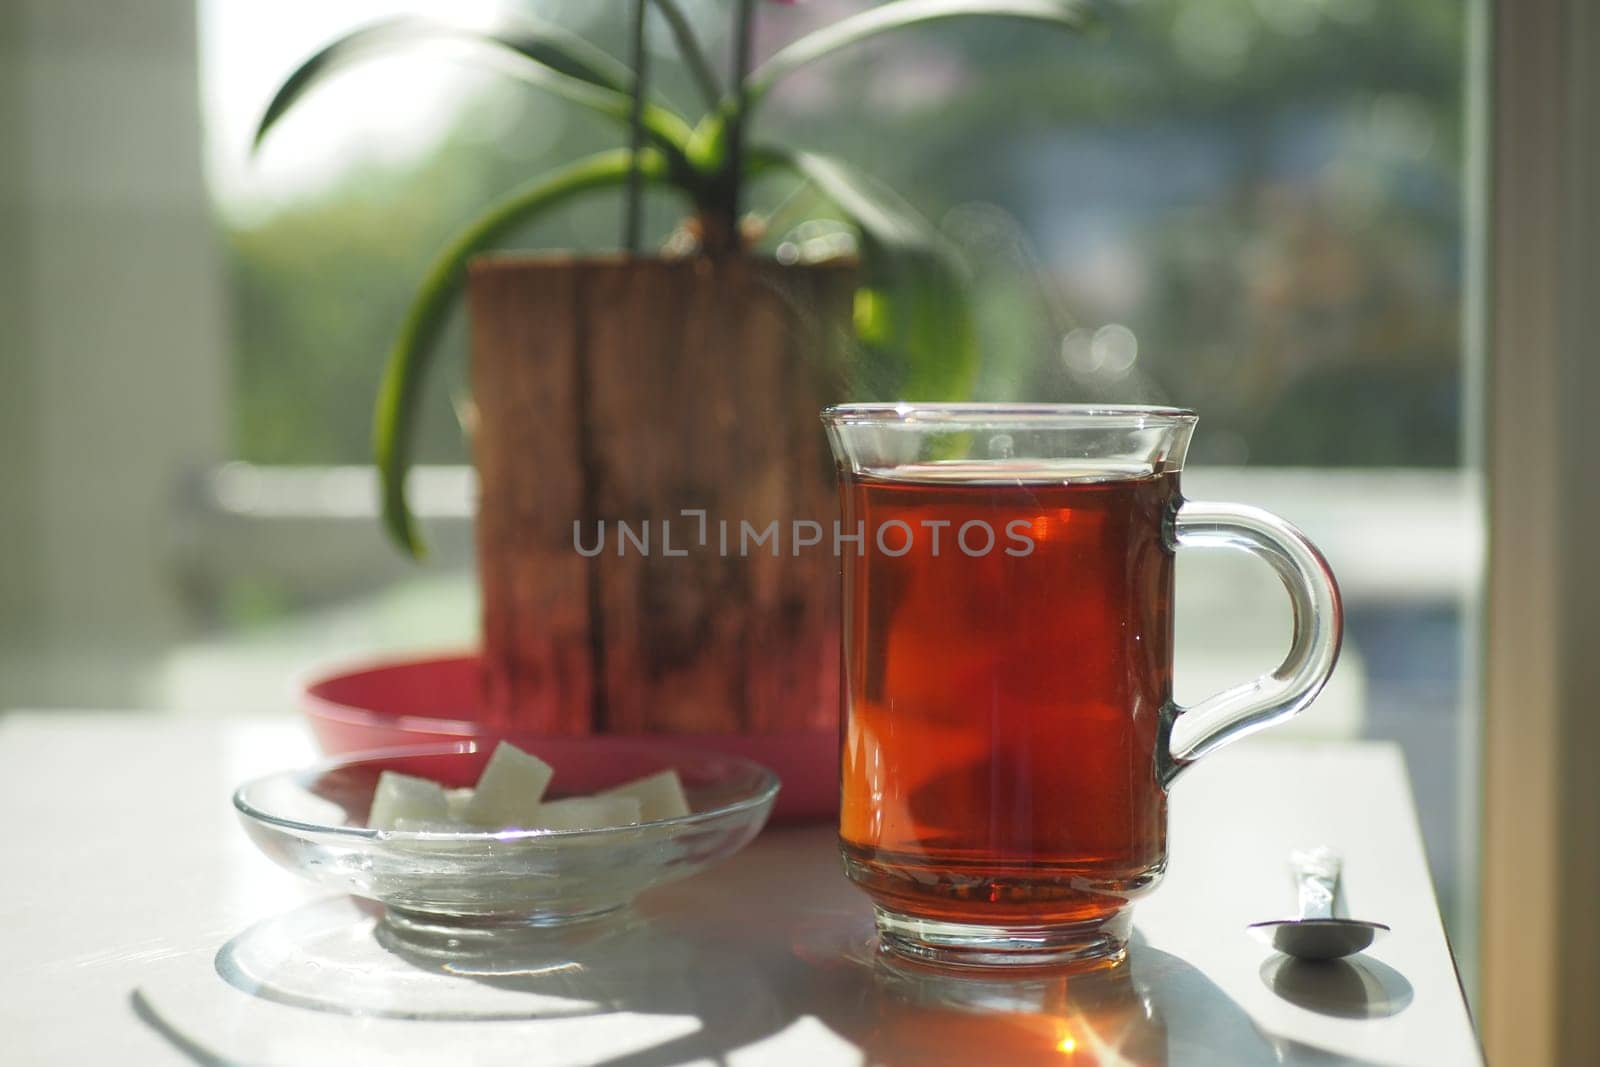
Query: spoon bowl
[[1318, 939]]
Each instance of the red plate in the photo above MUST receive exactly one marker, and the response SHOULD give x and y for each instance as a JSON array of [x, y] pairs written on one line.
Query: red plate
[[435, 699]]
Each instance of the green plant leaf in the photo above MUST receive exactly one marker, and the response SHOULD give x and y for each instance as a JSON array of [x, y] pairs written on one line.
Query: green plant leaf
[[690, 51], [540, 55], [911, 310], [414, 347], [1061, 14], [707, 144]]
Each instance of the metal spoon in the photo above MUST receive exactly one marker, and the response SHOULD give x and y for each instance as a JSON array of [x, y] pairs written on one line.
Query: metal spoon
[[1316, 934]]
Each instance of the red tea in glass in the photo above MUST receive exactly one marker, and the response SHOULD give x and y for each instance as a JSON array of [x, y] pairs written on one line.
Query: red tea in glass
[[1008, 731], [998, 755]]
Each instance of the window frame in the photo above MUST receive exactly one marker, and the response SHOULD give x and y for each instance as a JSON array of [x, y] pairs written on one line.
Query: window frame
[[1541, 798]]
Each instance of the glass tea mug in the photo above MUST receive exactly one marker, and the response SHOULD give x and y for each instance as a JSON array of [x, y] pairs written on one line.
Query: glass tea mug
[[1009, 733]]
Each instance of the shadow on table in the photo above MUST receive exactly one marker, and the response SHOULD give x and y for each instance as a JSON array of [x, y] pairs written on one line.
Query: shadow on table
[[337, 956], [749, 986], [1153, 1011], [1356, 988], [191, 1049]]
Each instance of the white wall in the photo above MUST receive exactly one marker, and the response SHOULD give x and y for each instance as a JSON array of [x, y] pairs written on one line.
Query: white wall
[[113, 340]]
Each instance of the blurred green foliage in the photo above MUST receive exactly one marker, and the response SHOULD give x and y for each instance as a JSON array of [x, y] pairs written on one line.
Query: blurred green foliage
[[319, 288], [1267, 193]]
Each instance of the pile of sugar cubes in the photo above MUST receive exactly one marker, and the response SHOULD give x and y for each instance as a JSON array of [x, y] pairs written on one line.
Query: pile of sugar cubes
[[510, 796]]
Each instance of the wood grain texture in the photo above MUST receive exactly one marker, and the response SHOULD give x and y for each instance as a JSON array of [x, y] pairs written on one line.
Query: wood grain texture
[[525, 429], [614, 392]]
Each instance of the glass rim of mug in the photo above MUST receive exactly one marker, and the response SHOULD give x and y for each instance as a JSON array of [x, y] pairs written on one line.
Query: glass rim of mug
[[969, 414]]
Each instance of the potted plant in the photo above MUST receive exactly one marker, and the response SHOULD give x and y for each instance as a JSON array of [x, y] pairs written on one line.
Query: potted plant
[[633, 388]]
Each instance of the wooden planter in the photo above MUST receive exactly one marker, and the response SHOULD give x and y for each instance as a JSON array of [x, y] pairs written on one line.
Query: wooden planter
[[618, 390]]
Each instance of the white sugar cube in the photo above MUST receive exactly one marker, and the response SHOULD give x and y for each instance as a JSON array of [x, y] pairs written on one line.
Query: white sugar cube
[[436, 845], [586, 813], [660, 796], [456, 801], [403, 796], [509, 789]]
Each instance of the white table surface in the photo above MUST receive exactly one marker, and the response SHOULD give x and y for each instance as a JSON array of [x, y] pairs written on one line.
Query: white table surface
[[125, 874]]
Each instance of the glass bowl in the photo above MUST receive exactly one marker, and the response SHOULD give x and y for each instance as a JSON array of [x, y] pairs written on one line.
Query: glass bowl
[[476, 883]]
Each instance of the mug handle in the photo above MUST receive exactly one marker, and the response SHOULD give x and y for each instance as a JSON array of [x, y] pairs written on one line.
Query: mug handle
[[1189, 733]]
